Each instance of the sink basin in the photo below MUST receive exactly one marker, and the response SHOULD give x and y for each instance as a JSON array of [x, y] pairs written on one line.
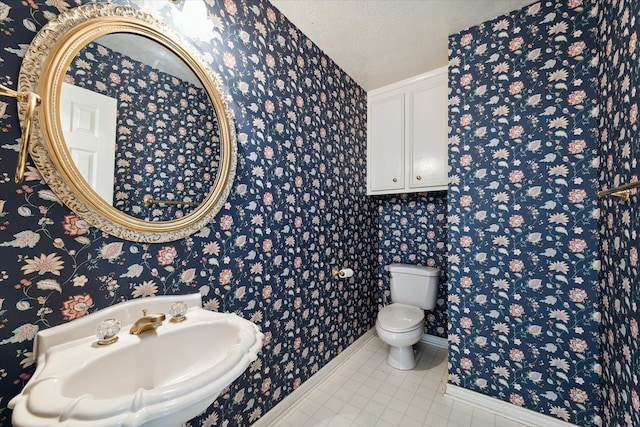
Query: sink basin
[[163, 377]]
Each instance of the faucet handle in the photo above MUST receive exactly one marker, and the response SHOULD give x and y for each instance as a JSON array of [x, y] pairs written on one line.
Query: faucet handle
[[144, 311], [107, 331], [178, 310]]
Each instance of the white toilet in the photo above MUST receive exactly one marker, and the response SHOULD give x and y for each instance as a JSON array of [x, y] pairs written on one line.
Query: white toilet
[[414, 288]]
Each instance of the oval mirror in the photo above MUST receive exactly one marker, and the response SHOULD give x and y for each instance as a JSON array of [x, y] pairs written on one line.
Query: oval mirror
[[133, 133]]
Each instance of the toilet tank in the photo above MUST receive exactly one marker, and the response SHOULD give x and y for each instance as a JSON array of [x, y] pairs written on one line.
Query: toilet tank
[[414, 285]]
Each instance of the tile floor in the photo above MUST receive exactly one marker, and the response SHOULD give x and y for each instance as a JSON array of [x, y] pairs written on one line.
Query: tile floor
[[366, 392]]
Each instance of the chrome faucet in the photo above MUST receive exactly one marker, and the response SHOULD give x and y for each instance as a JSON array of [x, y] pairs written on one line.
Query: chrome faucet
[[147, 322]]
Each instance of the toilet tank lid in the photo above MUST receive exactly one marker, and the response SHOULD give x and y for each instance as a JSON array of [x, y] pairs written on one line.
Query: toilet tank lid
[[419, 270]]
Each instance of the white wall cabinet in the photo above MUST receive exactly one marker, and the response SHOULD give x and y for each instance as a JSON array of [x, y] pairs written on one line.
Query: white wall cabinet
[[407, 135]]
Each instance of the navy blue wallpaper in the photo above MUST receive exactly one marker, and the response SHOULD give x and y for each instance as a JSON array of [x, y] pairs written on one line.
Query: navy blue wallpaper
[[523, 244], [298, 207], [167, 144], [619, 72], [413, 230]]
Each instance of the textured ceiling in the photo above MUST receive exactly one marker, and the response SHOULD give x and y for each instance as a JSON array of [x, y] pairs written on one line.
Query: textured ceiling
[[379, 42]]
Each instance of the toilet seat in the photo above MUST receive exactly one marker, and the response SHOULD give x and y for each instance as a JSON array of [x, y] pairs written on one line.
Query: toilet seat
[[399, 318]]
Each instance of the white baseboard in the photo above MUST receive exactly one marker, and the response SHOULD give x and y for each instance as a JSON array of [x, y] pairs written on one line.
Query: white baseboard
[[435, 341], [503, 409], [309, 385]]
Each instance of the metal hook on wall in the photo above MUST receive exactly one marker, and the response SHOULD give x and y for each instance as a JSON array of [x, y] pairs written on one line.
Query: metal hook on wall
[[33, 100]]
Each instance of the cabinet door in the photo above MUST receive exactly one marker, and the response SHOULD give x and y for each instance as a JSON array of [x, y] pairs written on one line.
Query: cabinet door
[[428, 106], [386, 143]]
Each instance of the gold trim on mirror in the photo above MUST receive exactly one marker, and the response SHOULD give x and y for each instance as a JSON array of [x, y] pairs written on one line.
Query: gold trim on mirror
[[43, 71]]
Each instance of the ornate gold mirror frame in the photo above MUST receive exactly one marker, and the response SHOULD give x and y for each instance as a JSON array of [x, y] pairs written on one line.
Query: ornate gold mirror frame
[[43, 71]]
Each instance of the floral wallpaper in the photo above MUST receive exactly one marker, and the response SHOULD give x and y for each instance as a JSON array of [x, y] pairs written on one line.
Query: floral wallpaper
[[298, 207], [619, 73], [167, 135], [522, 215], [413, 230]]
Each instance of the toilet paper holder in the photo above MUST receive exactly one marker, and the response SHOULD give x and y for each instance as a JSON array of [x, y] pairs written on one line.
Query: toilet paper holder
[[341, 273]]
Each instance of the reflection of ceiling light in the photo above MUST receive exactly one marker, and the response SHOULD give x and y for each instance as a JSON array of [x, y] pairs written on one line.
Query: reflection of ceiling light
[[190, 17], [193, 20]]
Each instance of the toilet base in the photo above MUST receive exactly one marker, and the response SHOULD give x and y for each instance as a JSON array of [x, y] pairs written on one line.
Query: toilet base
[[403, 358]]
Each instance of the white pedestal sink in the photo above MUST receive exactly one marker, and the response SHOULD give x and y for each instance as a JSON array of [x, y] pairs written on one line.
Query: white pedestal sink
[[158, 378]]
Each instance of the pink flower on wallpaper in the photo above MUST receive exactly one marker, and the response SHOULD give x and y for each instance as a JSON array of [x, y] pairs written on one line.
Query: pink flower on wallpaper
[[578, 345], [576, 97], [516, 310], [577, 48], [466, 363], [466, 119], [577, 196], [225, 276], [577, 146], [516, 132], [270, 60], [466, 282], [516, 265], [466, 39], [115, 78], [466, 79], [516, 176], [633, 256], [516, 43], [577, 295], [516, 399], [230, 7], [516, 355], [577, 245], [516, 221], [268, 150], [226, 222], [466, 241], [465, 200], [229, 60], [166, 255], [574, 3], [76, 306], [516, 87], [266, 291], [578, 395], [269, 107], [74, 225], [465, 322]]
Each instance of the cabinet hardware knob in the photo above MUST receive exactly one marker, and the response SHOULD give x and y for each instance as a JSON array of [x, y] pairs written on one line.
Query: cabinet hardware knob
[[418, 177], [395, 179]]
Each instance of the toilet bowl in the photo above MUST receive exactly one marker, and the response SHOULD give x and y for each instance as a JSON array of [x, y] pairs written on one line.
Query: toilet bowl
[[401, 324]]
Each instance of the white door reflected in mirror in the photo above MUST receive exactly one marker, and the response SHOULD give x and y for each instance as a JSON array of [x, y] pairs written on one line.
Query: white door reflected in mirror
[[88, 122]]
